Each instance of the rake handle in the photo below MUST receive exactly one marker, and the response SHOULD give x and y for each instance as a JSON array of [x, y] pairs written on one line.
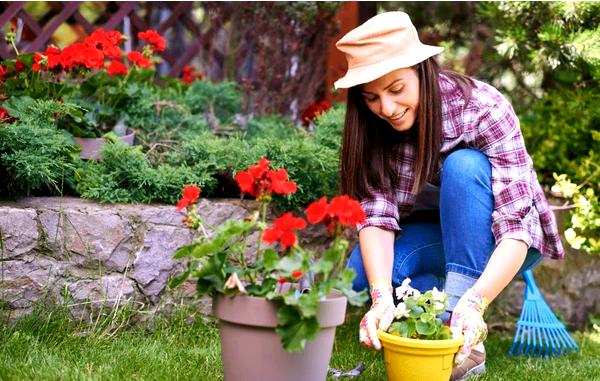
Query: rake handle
[[529, 280]]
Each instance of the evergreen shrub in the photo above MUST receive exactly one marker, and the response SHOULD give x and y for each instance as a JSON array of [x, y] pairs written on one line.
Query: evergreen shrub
[[35, 156]]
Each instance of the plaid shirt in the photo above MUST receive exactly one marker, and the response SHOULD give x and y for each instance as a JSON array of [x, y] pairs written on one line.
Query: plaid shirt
[[487, 123]]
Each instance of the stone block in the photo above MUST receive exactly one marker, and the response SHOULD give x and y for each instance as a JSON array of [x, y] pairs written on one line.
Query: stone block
[[18, 231], [30, 279], [154, 263], [101, 238]]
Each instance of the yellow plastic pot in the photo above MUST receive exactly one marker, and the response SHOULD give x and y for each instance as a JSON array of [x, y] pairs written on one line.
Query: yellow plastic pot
[[418, 360]]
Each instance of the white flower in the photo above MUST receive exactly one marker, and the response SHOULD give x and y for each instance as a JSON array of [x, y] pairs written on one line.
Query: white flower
[[400, 311], [438, 296], [405, 290], [438, 306], [234, 282]]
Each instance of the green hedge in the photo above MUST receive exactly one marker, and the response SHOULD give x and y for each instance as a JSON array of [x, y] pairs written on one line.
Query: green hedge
[[125, 175], [35, 156]]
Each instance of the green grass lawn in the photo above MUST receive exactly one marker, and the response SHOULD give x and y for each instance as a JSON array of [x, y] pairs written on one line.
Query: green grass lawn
[[46, 346]]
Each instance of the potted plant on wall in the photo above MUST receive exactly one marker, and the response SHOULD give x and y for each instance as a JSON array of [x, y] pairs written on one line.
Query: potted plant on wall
[[278, 309], [92, 75], [417, 345]]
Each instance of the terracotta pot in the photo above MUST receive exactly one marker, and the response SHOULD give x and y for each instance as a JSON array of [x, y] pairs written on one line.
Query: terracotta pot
[[252, 350], [410, 359], [90, 147]]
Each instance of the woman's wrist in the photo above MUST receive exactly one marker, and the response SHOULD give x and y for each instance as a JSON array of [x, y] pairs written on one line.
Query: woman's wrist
[[380, 288]]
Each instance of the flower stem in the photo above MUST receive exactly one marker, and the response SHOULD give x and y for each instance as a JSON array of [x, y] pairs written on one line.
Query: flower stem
[[336, 244], [15, 47], [263, 219]]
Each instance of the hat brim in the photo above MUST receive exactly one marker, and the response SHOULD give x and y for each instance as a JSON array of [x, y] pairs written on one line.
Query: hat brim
[[368, 73]]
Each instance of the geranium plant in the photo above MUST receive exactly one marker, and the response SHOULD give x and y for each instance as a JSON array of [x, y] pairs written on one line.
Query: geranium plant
[[416, 315], [95, 75], [220, 261]]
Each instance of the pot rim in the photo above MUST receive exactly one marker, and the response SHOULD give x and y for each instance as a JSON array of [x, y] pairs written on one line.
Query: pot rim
[[419, 343], [331, 312]]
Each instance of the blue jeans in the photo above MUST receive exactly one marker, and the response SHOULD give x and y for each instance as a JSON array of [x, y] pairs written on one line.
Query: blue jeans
[[450, 247]]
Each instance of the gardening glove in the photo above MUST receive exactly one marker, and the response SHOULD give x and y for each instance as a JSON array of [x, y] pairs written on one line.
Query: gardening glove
[[467, 320], [380, 315]]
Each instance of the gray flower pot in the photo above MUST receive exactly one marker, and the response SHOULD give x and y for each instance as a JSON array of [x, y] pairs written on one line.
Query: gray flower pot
[[90, 147], [252, 350]]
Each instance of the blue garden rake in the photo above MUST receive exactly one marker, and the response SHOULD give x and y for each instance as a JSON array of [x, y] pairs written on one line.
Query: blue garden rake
[[539, 332]]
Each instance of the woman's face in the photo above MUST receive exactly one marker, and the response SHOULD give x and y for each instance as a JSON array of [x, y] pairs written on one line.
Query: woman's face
[[394, 97]]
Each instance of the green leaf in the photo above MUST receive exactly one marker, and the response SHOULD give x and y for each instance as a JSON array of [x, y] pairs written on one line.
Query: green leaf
[[294, 330], [212, 276], [322, 266], [398, 328], [308, 303], [270, 259], [263, 288], [355, 298], [415, 311], [17, 106], [185, 251], [425, 328], [443, 333], [289, 263], [347, 276], [179, 279]]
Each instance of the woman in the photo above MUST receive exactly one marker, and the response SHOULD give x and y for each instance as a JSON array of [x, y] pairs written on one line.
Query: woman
[[439, 164]]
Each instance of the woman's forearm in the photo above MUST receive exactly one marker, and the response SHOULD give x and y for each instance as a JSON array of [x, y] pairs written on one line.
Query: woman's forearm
[[377, 250], [503, 265]]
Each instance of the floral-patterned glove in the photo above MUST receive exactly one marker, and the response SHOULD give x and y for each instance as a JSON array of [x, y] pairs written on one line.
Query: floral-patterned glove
[[380, 315], [467, 320]]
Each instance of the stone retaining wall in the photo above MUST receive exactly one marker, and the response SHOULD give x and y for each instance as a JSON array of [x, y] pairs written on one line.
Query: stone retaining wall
[[75, 252]]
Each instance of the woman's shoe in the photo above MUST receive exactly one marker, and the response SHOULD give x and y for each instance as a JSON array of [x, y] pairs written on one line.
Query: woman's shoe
[[474, 364]]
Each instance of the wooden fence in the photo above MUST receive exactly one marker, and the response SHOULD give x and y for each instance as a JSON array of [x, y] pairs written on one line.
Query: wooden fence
[[172, 19]]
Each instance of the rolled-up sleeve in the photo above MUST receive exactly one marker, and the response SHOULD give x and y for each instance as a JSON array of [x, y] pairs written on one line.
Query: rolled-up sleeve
[[381, 211], [499, 138]]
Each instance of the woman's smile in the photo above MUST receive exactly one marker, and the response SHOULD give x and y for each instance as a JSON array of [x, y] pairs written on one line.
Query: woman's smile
[[398, 120]]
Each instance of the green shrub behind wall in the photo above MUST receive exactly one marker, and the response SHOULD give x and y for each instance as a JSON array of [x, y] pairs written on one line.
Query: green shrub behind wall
[[35, 156], [125, 175]]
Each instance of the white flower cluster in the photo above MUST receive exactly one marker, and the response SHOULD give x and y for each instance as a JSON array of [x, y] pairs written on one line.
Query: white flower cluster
[[405, 290]]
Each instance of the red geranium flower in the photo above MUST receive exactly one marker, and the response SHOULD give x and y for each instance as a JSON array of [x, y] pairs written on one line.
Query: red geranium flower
[[80, 54], [5, 116], [283, 230], [138, 59], [188, 75], [38, 62], [297, 274], [107, 42], [280, 183], [156, 41], [190, 196], [342, 210], [19, 66], [313, 110], [317, 210], [346, 210], [259, 180], [116, 67]]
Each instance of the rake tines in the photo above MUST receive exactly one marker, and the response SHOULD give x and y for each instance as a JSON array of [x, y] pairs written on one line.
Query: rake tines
[[539, 332]]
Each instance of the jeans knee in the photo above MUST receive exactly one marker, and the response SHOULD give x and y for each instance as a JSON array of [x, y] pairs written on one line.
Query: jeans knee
[[466, 165]]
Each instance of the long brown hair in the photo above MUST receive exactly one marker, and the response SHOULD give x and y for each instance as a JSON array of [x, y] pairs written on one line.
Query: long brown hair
[[369, 142]]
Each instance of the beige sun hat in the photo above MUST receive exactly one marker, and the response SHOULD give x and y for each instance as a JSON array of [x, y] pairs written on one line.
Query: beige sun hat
[[384, 43]]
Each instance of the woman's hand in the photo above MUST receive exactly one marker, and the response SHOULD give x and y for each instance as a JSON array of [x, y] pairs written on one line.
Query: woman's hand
[[380, 315], [467, 320]]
